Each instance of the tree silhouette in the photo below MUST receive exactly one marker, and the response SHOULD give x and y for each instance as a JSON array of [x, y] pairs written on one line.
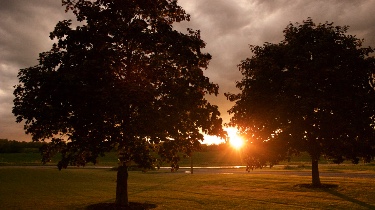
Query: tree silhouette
[[123, 79], [313, 92]]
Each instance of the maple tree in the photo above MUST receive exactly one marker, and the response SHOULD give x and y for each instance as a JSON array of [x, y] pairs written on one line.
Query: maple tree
[[122, 79], [312, 92]]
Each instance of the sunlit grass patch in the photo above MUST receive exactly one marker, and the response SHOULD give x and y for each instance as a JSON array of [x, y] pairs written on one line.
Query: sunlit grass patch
[[48, 188]]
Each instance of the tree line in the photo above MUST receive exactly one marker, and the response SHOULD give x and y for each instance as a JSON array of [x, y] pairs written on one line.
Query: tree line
[[13, 146]]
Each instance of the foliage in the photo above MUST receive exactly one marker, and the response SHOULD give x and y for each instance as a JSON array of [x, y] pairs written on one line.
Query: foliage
[[215, 147], [228, 157], [12, 146], [123, 79], [312, 92]]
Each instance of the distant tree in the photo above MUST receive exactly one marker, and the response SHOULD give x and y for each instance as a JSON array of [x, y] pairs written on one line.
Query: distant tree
[[13, 146], [8, 146], [313, 92], [124, 79]]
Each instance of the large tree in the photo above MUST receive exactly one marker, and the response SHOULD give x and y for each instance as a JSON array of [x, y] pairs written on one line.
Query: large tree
[[123, 79], [313, 92]]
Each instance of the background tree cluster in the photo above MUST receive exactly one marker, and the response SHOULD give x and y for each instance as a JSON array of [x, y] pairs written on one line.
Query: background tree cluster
[[13, 146]]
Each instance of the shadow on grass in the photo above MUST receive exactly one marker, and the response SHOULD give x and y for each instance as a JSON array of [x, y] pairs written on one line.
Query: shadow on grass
[[322, 186], [330, 188], [347, 198], [112, 206]]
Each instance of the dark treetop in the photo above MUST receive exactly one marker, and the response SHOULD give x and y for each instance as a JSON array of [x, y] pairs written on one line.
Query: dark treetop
[[124, 79]]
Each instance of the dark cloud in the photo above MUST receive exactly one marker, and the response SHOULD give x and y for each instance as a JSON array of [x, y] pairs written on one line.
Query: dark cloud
[[228, 27], [24, 33]]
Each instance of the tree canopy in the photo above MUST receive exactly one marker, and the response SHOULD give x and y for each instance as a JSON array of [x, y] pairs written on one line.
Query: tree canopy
[[123, 79], [313, 92]]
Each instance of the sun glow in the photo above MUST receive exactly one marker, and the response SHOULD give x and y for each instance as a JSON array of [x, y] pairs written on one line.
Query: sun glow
[[235, 139]]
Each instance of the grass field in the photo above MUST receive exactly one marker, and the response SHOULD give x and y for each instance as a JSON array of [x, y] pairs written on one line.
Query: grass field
[[213, 158], [25, 184], [48, 188], [227, 157]]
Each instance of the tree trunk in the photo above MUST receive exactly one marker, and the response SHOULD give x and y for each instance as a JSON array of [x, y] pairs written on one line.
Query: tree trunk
[[315, 171], [122, 186], [191, 163]]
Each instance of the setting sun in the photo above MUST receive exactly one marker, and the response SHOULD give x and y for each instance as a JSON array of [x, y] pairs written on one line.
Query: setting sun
[[234, 139]]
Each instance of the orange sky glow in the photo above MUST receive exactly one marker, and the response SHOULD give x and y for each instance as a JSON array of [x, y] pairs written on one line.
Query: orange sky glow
[[234, 138]]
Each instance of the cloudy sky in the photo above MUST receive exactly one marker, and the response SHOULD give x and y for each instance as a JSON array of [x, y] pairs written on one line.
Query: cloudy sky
[[228, 27]]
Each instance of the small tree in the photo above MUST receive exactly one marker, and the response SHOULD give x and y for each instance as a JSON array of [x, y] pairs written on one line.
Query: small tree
[[124, 80], [312, 92]]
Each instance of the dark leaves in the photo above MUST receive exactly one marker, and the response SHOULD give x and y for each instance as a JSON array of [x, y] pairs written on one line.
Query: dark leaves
[[311, 92], [123, 79]]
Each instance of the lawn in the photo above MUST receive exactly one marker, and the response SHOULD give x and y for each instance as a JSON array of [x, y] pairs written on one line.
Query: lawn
[[227, 157], [25, 184], [84, 188]]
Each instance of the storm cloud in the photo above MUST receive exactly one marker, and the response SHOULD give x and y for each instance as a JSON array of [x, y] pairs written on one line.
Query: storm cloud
[[228, 28]]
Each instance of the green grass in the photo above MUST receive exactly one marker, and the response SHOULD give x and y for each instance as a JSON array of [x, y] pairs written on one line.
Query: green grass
[[47, 188], [228, 157], [20, 159], [24, 159], [212, 158]]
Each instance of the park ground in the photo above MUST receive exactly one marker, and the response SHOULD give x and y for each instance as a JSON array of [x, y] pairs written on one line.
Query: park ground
[[28, 185]]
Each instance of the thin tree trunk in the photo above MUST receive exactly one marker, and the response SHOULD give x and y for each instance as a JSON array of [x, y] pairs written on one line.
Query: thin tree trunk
[[315, 171], [122, 199], [191, 163]]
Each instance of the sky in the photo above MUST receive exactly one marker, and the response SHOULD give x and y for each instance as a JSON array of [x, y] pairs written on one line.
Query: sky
[[227, 27]]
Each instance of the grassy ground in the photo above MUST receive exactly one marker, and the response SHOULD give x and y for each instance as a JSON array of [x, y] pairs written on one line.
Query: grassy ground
[[227, 157], [48, 188], [212, 158], [76, 188]]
